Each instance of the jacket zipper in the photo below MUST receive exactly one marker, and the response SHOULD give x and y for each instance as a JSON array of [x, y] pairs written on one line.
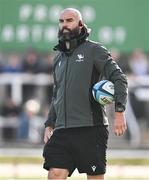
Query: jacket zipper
[[65, 93]]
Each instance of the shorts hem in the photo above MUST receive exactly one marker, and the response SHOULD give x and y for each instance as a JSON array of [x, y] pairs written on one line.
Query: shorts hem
[[60, 167], [96, 173]]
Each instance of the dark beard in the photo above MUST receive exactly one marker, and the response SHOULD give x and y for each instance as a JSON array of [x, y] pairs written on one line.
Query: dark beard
[[68, 36]]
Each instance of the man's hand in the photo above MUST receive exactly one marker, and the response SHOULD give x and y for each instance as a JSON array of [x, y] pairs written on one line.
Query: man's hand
[[47, 134], [119, 123]]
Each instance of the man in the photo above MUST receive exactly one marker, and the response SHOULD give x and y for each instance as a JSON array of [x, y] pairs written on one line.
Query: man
[[76, 130]]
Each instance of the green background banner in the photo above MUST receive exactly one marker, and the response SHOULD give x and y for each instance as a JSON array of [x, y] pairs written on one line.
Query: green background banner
[[121, 24]]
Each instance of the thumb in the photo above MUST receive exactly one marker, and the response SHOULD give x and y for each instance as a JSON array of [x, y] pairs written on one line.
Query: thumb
[[46, 138]]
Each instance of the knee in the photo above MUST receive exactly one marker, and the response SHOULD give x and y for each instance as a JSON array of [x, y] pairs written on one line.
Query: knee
[[56, 173]]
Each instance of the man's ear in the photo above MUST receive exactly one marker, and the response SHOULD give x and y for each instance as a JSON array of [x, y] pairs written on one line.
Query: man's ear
[[80, 23]]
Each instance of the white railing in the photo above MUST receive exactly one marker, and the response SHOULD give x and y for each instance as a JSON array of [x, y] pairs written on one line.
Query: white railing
[[139, 86], [16, 81]]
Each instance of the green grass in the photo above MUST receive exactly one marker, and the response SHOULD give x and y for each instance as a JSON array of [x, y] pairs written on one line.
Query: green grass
[[38, 160], [21, 160], [129, 161]]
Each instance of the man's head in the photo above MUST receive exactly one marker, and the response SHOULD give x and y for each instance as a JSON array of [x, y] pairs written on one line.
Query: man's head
[[70, 24]]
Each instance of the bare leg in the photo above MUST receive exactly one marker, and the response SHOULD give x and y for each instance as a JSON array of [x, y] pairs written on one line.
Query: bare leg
[[57, 173], [99, 177]]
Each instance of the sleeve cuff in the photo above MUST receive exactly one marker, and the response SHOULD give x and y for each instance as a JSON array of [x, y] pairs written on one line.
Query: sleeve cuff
[[119, 108]]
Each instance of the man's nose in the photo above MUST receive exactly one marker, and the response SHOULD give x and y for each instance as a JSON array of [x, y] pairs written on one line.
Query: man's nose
[[65, 24]]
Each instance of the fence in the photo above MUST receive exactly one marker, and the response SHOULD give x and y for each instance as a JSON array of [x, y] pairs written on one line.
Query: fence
[[138, 86]]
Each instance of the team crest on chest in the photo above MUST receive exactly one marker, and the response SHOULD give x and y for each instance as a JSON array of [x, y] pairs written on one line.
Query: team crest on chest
[[80, 58]]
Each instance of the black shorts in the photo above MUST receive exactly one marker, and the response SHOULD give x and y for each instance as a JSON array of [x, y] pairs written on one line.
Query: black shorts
[[83, 148]]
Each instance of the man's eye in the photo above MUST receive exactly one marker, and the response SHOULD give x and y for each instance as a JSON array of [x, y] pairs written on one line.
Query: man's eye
[[61, 20], [70, 20]]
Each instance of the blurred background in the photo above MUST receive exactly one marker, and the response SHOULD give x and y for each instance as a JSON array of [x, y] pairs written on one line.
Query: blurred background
[[28, 32]]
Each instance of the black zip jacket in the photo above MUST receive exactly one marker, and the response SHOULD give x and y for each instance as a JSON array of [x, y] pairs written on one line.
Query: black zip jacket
[[75, 73]]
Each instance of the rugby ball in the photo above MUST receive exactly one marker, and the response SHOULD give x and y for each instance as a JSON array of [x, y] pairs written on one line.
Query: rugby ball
[[103, 92]]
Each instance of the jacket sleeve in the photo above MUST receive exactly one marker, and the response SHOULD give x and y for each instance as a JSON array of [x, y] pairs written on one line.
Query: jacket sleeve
[[51, 119], [109, 69], [52, 114]]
